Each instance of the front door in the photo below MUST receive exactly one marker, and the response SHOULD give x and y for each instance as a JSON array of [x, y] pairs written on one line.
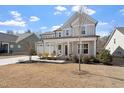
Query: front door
[[66, 50]]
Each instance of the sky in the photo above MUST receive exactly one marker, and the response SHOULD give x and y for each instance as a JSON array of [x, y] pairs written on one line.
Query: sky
[[42, 18]]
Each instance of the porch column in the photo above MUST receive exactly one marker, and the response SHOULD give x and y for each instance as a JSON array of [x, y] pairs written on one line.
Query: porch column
[[43, 47], [94, 47], [72, 47], [62, 48], [68, 48]]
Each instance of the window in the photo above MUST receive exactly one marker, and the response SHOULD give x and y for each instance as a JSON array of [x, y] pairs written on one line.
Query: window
[[114, 41], [59, 34], [83, 30], [59, 47], [83, 48], [11, 46], [19, 46], [67, 32]]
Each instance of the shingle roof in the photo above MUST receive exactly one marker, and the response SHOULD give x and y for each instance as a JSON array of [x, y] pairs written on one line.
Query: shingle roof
[[121, 29], [8, 37], [4, 37], [23, 36], [75, 15]]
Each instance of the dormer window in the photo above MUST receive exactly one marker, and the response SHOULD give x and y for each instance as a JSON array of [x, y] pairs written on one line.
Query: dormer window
[[67, 32], [83, 30]]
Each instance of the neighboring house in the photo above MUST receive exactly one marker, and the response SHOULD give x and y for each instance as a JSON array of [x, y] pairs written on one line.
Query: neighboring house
[[101, 43], [65, 40], [14, 44], [115, 43]]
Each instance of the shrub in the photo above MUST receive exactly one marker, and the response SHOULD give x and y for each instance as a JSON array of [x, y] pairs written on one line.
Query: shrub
[[93, 60], [105, 57], [85, 59], [45, 55], [32, 52], [40, 55], [51, 58], [75, 59], [53, 55], [67, 59]]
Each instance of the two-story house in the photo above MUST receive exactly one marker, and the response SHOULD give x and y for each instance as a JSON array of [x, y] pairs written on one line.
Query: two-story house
[[115, 43], [65, 40]]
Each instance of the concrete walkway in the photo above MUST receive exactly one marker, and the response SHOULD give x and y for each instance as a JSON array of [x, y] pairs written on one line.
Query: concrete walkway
[[11, 60]]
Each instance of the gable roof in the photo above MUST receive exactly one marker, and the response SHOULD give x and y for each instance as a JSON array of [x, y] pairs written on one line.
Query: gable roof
[[120, 29], [23, 36], [75, 15], [4, 37]]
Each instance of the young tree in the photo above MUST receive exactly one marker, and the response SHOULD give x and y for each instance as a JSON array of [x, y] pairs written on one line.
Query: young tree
[[29, 49], [82, 19]]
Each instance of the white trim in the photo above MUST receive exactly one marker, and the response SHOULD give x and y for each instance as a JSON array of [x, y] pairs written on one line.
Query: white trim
[[95, 48], [81, 47]]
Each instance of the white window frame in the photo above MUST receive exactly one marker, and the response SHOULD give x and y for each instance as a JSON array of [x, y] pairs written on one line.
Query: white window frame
[[67, 31], [59, 50], [19, 46], [11, 46], [80, 50]]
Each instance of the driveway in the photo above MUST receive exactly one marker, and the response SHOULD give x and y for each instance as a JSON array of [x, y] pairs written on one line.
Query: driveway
[[15, 59], [12, 60]]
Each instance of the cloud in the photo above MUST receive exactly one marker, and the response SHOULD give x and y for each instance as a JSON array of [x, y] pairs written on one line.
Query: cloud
[[67, 13], [60, 8], [34, 18], [13, 23], [16, 15], [56, 27], [44, 27], [122, 11], [76, 8], [17, 21], [2, 31], [57, 13], [85, 9], [102, 23], [104, 28]]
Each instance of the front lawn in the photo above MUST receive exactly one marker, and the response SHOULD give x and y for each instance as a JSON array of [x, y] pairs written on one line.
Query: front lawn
[[60, 75]]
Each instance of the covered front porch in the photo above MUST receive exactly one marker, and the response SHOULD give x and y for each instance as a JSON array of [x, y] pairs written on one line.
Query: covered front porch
[[67, 47]]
